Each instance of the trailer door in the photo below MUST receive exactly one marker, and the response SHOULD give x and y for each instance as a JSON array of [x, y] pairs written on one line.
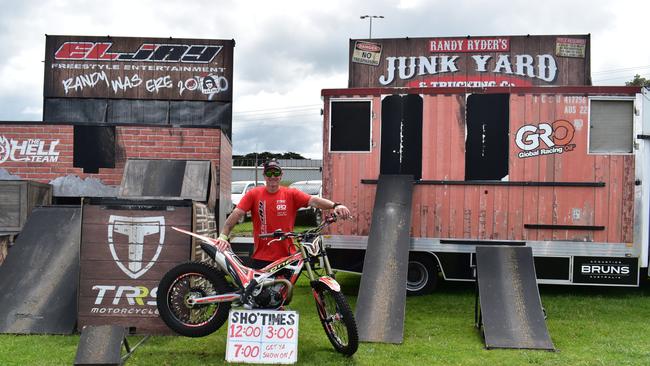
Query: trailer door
[[486, 147], [401, 135]]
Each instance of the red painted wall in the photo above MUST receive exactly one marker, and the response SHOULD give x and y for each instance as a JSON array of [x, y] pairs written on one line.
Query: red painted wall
[[488, 211]]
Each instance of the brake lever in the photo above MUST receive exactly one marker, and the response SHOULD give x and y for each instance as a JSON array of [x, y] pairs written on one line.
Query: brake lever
[[270, 242]]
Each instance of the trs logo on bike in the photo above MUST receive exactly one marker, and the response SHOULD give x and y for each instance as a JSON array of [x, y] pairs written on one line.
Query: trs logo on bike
[[135, 228], [556, 136]]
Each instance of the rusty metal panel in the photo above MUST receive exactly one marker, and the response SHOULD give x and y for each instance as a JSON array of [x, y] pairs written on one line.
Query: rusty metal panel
[[126, 248], [627, 199], [345, 172], [601, 197], [502, 210], [475, 62], [138, 68]]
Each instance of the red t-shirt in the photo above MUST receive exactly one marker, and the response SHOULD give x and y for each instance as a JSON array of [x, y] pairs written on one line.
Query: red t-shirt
[[272, 211]]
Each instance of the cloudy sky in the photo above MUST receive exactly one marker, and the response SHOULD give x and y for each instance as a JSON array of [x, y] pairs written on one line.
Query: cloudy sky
[[287, 51]]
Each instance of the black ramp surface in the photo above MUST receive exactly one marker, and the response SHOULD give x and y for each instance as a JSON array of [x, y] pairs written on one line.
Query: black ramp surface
[[100, 345], [165, 179], [38, 280], [511, 307], [382, 292]]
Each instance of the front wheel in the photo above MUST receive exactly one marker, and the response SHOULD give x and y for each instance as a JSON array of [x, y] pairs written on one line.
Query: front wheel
[[188, 280], [337, 319]]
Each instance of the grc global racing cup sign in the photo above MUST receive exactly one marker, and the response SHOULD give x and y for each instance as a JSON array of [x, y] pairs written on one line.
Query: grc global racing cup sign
[[472, 62], [138, 68], [545, 138]]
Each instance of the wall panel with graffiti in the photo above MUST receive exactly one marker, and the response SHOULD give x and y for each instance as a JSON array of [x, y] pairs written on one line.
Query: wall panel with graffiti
[[138, 68]]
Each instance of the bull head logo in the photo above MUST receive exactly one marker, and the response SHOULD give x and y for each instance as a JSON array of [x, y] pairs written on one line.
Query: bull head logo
[[136, 228]]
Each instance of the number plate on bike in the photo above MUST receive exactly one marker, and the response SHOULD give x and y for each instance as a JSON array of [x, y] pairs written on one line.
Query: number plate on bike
[[262, 336]]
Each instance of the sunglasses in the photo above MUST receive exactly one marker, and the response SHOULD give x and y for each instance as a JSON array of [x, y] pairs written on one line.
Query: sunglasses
[[272, 173]]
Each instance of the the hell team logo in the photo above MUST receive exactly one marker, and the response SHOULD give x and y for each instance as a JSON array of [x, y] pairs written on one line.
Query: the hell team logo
[[136, 228], [148, 52]]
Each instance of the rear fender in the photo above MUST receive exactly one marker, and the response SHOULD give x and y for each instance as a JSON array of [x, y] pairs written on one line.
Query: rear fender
[[330, 283]]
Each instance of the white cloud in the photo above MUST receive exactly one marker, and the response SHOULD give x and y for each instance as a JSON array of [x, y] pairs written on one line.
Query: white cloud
[[287, 51]]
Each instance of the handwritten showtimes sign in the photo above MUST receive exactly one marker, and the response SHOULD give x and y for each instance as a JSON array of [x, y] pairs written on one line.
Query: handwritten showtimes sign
[[262, 336]]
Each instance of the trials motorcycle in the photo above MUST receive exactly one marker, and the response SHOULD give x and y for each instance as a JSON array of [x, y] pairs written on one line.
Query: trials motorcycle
[[194, 298]]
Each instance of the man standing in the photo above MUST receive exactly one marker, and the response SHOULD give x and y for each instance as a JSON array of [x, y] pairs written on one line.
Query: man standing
[[273, 207]]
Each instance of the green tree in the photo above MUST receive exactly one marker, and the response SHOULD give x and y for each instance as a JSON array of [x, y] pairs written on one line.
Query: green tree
[[265, 155], [249, 159], [638, 81]]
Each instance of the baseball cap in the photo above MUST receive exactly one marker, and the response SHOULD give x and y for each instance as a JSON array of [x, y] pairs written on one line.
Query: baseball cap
[[272, 164]]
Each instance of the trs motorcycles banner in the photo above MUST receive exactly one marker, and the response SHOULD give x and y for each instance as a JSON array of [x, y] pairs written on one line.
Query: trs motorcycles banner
[[473, 62], [125, 251], [138, 68]]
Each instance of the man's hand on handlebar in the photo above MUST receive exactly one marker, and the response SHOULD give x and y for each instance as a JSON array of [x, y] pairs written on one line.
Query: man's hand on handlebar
[[342, 212]]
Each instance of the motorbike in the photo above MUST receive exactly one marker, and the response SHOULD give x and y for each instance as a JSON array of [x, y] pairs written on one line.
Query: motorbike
[[194, 298]]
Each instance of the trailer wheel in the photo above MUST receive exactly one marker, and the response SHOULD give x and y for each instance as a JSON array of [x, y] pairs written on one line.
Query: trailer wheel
[[422, 276]]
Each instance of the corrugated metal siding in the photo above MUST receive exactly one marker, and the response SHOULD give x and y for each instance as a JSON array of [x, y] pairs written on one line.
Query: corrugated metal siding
[[493, 211]]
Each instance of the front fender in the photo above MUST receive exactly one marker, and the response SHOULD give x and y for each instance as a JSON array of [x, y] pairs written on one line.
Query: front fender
[[330, 283]]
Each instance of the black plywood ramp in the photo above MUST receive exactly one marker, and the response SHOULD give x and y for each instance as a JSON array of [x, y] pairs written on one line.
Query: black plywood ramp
[[382, 292], [100, 345], [510, 306], [38, 280]]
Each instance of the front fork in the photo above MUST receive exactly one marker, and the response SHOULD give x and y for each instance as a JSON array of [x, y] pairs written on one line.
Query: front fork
[[328, 279]]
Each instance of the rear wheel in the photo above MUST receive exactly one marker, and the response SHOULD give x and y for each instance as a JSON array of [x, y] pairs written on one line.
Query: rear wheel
[[337, 319], [422, 276], [189, 280]]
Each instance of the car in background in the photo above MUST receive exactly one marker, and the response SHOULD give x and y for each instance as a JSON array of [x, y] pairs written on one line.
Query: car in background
[[313, 188], [238, 190]]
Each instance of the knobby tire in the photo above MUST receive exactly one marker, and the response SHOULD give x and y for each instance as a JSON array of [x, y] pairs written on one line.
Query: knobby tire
[[337, 319], [183, 280]]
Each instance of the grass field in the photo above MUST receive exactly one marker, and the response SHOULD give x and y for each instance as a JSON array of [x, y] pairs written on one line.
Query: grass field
[[588, 325]]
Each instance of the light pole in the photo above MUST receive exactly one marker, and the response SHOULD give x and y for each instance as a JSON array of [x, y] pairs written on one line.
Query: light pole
[[370, 17]]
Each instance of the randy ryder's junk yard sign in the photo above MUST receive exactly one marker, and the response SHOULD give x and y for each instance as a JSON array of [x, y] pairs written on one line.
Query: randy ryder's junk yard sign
[[500, 61], [138, 68]]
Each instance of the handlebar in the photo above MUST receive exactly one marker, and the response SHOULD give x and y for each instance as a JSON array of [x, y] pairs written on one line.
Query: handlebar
[[276, 234], [281, 235]]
